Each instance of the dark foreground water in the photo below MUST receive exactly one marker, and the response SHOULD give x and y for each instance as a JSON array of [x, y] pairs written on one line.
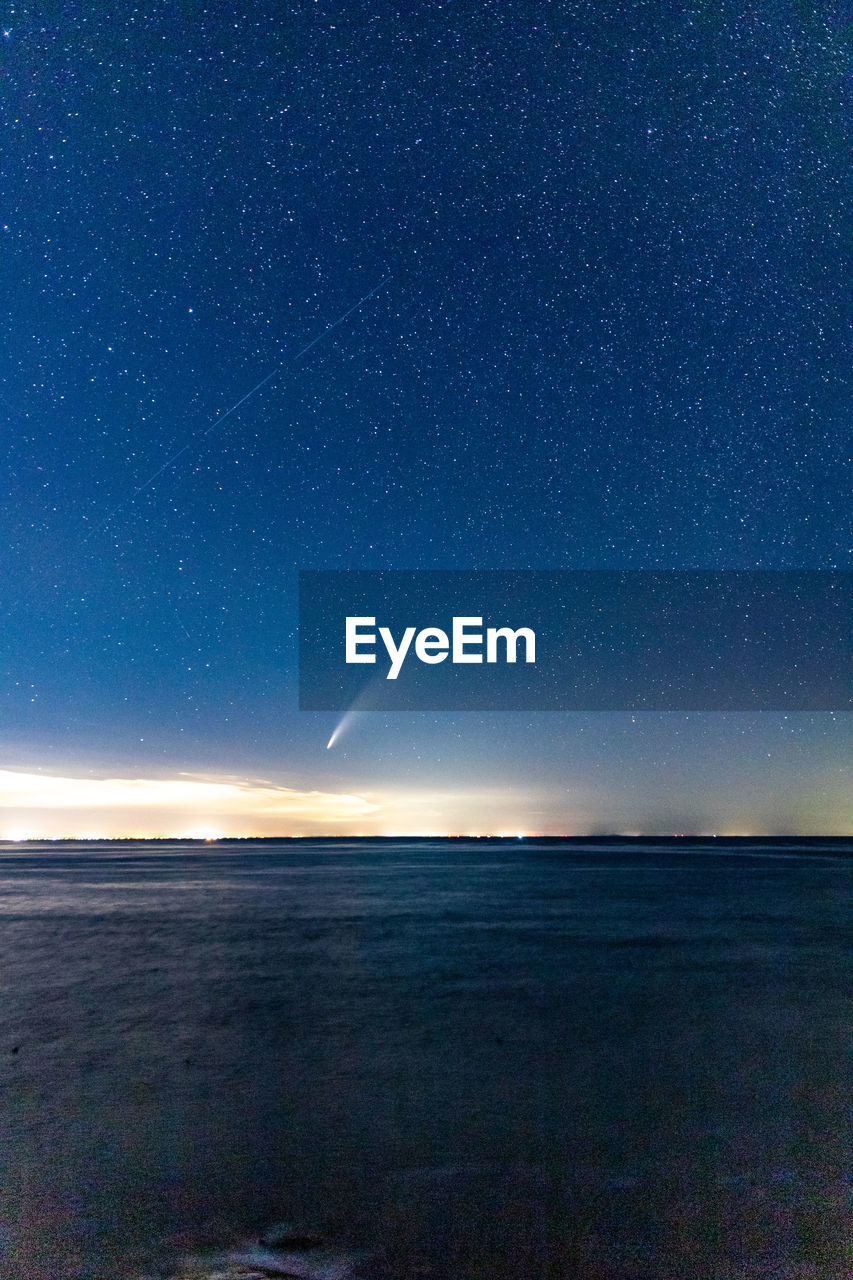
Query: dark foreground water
[[513, 1059]]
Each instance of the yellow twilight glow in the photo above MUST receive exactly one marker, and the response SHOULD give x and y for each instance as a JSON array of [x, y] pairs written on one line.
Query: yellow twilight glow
[[38, 804]]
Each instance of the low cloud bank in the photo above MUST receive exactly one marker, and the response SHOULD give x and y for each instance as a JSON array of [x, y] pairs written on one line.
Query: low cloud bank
[[40, 804]]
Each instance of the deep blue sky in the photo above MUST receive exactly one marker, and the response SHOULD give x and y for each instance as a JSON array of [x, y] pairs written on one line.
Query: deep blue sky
[[614, 333]]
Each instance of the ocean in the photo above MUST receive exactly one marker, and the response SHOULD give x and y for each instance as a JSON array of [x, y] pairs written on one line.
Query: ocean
[[453, 1059]]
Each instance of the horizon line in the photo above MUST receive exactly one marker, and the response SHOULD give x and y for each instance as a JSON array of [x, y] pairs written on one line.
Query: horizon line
[[453, 835]]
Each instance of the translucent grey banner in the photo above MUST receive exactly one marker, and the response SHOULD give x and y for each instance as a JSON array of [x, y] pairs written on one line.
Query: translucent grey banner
[[585, 640]]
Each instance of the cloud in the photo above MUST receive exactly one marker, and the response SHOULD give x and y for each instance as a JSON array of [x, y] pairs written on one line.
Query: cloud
[[40, 804], [53, 806]]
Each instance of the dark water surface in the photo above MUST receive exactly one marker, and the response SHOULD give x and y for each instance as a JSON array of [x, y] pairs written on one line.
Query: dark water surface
[[492, 1059]]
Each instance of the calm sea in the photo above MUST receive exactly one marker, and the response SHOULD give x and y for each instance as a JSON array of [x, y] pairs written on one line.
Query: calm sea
[[488, 1059]]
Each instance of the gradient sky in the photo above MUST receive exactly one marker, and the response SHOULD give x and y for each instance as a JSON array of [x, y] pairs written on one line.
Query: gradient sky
[[613, 333]]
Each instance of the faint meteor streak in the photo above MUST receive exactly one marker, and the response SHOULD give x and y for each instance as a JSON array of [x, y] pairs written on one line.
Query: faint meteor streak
[[220, 417]]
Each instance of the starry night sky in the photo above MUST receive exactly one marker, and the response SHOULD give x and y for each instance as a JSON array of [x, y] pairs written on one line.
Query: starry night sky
[[612, 332]]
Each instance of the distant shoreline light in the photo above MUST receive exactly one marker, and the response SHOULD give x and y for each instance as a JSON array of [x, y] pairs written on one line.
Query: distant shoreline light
[[576, 837]]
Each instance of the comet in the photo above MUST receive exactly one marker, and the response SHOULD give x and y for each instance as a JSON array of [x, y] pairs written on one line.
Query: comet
[[341, 727], [360, 703]]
